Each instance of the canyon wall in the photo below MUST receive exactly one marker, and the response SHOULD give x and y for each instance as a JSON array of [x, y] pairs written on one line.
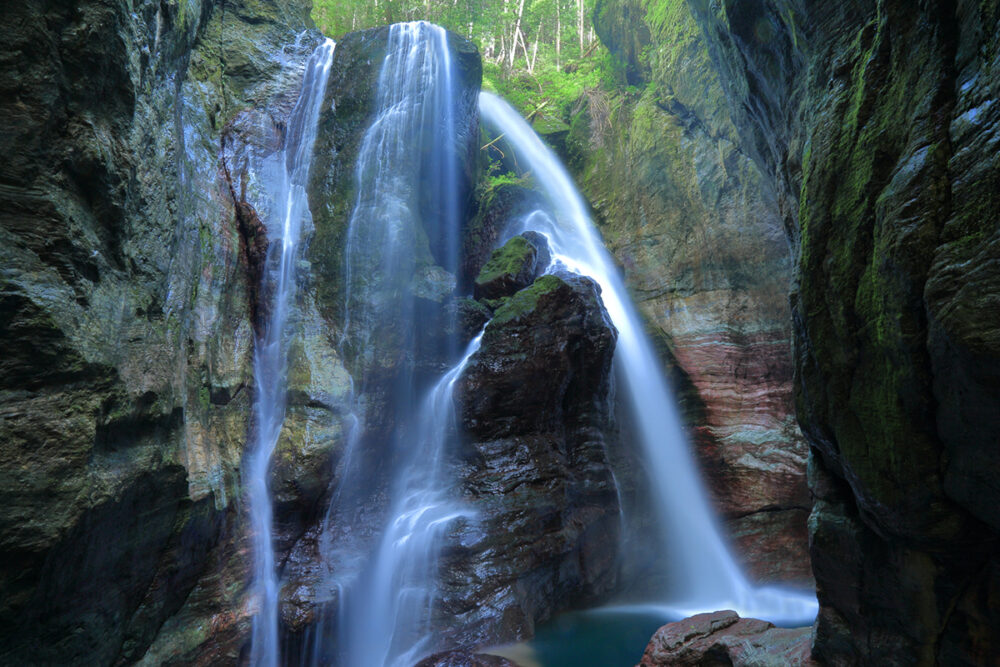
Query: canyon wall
[[697, 232], [876, 123], [125, 334]]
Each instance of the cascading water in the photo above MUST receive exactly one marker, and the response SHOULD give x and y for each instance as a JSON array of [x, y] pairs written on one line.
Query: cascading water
[[704, 576], [389, 621], [285, 182], [405, 219], [415, 118]]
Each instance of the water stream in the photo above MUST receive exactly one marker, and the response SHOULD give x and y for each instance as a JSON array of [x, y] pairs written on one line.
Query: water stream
[[702, 572], [388, 619], [405, 223], [286, 186]]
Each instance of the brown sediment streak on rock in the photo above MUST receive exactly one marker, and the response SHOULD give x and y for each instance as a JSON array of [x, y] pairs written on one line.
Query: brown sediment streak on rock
[[253, 248]]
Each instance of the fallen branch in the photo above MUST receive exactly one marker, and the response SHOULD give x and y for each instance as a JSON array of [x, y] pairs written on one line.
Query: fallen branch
[[535, 112], [493, 142]]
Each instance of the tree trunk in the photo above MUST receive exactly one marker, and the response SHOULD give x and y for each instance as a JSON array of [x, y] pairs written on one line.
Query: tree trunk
[[534, 49], [558, 36], [517, 31]]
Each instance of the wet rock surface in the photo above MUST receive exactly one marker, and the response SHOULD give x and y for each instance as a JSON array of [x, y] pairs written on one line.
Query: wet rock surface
[[875, 123], [534, 402], [723, 638], [126, 340], [465, 659]]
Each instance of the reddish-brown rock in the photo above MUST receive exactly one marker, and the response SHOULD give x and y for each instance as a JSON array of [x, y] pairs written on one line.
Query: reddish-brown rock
[[700, 240], [723, 638]]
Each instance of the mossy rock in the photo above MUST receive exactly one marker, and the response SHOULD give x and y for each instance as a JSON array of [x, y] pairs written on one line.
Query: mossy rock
[[526, 300], [499, 203], [513, 266]]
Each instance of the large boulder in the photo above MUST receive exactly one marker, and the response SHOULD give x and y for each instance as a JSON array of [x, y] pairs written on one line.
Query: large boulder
[[723, 638], [534, 402]]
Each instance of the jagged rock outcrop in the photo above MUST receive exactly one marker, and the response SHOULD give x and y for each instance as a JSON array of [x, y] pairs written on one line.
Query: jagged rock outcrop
[[534, 402], [696, 229], [723, 638], [876, 123], [125, 334]]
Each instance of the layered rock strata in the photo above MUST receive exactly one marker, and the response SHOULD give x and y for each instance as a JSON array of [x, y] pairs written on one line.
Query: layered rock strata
[[125, 331]]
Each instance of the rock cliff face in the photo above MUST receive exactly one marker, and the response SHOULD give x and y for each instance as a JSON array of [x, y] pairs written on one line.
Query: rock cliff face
[[125, 329], [876, 123], [697, 231]]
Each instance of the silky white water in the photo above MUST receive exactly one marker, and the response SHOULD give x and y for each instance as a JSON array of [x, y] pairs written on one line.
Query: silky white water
[[286, 187], [703, 574], [389, 619], [406, 216]]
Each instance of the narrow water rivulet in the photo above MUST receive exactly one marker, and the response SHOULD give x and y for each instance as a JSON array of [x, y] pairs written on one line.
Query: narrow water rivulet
[[702, 572], [285, 180]]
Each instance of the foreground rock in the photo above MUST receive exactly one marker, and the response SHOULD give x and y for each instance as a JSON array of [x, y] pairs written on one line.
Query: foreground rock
[[723, 638], [535, 404]]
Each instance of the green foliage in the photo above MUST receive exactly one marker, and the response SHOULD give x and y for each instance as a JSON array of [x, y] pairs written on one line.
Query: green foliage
[[525, 301], [493, 181], [555, 58]]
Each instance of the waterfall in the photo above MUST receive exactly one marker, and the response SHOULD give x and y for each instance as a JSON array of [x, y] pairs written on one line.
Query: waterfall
[[703, 574], [405, 222], [389, 616], [286, 187], [406, 166]]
